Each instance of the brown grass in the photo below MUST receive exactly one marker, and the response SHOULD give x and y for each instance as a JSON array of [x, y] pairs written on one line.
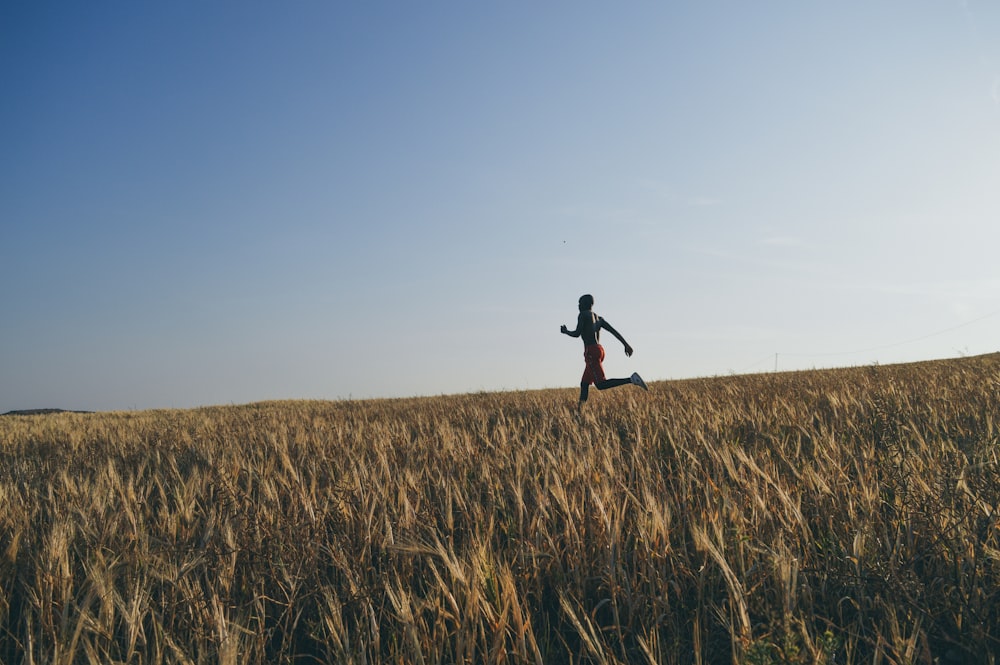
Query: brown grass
[[844, 516]]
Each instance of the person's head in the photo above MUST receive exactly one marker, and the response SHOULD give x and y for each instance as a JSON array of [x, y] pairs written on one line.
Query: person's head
[[586, 302]]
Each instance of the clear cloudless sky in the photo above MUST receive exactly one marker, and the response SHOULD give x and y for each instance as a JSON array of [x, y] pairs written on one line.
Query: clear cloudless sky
[[223, 202]]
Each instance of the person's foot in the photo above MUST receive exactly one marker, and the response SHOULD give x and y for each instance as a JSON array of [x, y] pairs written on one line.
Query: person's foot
[[637, 380]]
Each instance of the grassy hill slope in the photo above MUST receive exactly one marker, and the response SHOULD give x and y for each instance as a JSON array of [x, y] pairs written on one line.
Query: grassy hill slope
[[830, 516]]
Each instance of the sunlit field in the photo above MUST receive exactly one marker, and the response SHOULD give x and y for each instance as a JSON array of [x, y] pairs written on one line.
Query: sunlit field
[[846, 516]]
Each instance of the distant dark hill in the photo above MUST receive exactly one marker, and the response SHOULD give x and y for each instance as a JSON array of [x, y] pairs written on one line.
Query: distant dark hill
[[40, 412]]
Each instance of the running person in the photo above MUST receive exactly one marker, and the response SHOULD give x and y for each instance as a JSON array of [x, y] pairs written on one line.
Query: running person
[[588, 326]]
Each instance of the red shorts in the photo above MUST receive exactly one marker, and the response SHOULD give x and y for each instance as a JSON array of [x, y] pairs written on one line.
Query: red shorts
[[593, 355]]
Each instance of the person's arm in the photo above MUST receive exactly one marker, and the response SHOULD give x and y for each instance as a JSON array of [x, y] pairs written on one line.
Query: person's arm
[[566, 331], [607, 326], [573, 333]]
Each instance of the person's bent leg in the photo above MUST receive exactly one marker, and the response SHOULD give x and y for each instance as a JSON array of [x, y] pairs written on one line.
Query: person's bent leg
[[611, 383]]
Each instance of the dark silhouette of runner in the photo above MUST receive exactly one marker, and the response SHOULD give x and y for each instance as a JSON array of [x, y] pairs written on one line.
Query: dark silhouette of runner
[[588, 326]]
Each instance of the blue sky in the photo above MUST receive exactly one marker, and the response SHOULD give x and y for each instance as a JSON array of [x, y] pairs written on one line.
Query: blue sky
[[223, 202]]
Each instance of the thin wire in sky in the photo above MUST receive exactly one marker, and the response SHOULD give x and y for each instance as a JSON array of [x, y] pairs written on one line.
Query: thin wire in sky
[[895, 344], [825, 354]]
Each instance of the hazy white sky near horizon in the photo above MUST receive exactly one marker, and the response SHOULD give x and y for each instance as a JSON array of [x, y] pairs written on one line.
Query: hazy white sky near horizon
[[224, 202]]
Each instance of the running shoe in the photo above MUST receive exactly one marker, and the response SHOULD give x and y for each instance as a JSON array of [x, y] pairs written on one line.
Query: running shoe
[[637, 380]]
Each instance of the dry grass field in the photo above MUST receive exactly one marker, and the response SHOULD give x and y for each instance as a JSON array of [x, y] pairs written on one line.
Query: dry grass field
[[846, 516]]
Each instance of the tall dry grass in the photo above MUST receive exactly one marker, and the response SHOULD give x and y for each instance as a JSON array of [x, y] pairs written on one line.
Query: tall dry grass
[[844, 516]]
